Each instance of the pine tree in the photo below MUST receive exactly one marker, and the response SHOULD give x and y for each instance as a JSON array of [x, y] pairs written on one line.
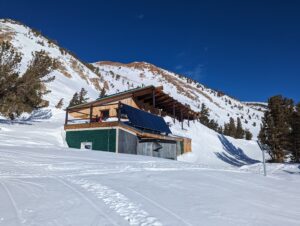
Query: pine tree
[[82, 96], [276, 126], [204, 115], [239, 134], [60, 103], [213, 125], [220, 130], [23, 93], [226, 129], [9, 61], [75, 100], [248, 135], [102, 93], [231, 127], [295, 135]]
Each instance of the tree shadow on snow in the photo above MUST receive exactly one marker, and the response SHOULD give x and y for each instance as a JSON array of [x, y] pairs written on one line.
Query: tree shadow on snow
[[13, 122], [35, 116], [40, 114], [233, 155]]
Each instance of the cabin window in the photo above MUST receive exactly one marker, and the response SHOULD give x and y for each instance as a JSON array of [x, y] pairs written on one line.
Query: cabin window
[[86, 145], [105, 114]]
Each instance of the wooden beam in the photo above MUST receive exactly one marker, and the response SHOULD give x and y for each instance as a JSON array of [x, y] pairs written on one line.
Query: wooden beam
[[181, 118], [165, 105], [102, 101], [153, 98], [66, 118], [148, 98], [174, 113], [91, 113], [119, 111], [166, 101], [143, 92]]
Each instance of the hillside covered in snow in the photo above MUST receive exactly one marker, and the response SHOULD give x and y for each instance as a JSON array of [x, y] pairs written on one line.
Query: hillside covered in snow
[[123, 76], [73, 74]]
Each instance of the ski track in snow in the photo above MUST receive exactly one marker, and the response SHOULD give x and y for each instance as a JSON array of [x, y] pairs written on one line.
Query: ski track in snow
[[18, 218], [118, 202], [89, 201], [161, 207]]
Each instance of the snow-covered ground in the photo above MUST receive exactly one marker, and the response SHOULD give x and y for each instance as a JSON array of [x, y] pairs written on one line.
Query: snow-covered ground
[[44, 183]]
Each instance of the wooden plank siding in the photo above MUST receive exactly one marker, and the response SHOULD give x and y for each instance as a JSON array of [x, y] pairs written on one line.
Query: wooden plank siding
[[111, 107], [187, 145]]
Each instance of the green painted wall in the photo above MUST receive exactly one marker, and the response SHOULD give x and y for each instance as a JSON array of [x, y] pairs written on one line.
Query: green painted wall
[[103, 140]]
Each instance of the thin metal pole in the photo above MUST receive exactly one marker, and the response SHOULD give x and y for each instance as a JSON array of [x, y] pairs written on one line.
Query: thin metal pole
[[264, 162], [262, 148]]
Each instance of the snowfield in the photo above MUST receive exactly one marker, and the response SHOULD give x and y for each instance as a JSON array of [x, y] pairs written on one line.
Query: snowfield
[[44, 183]]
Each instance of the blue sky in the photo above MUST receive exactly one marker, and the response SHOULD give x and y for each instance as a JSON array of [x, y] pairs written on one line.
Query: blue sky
[[248, 49]]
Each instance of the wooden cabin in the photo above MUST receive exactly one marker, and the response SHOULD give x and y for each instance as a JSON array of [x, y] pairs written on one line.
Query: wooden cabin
[[129, 122]]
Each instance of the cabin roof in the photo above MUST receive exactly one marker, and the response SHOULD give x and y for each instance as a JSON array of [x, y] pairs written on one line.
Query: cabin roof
[[144, 95]]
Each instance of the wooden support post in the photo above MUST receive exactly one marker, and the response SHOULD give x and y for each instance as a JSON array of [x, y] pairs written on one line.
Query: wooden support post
[[174, 113], [91, 113], [181, 118], [119, 111], [153, 98], [66, 118], [188, 120]]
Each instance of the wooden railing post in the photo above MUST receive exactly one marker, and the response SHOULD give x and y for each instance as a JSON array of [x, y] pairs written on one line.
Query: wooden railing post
[[119, 111], [174, 113], [66, 118], [91, 113], [181, 118], [153, 98]]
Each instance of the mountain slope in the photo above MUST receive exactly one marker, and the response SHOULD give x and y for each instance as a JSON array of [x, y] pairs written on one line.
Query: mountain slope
[[71, 75], [222, 107]]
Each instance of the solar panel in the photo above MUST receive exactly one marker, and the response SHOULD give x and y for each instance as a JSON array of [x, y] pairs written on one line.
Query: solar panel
[[144, 120]]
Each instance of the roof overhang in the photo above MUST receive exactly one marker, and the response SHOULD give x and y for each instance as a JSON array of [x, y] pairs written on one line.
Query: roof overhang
[[145, 95]]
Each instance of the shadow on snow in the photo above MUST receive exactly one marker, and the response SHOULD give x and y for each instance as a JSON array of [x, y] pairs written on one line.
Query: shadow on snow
[[33, 117], [233, 155]]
